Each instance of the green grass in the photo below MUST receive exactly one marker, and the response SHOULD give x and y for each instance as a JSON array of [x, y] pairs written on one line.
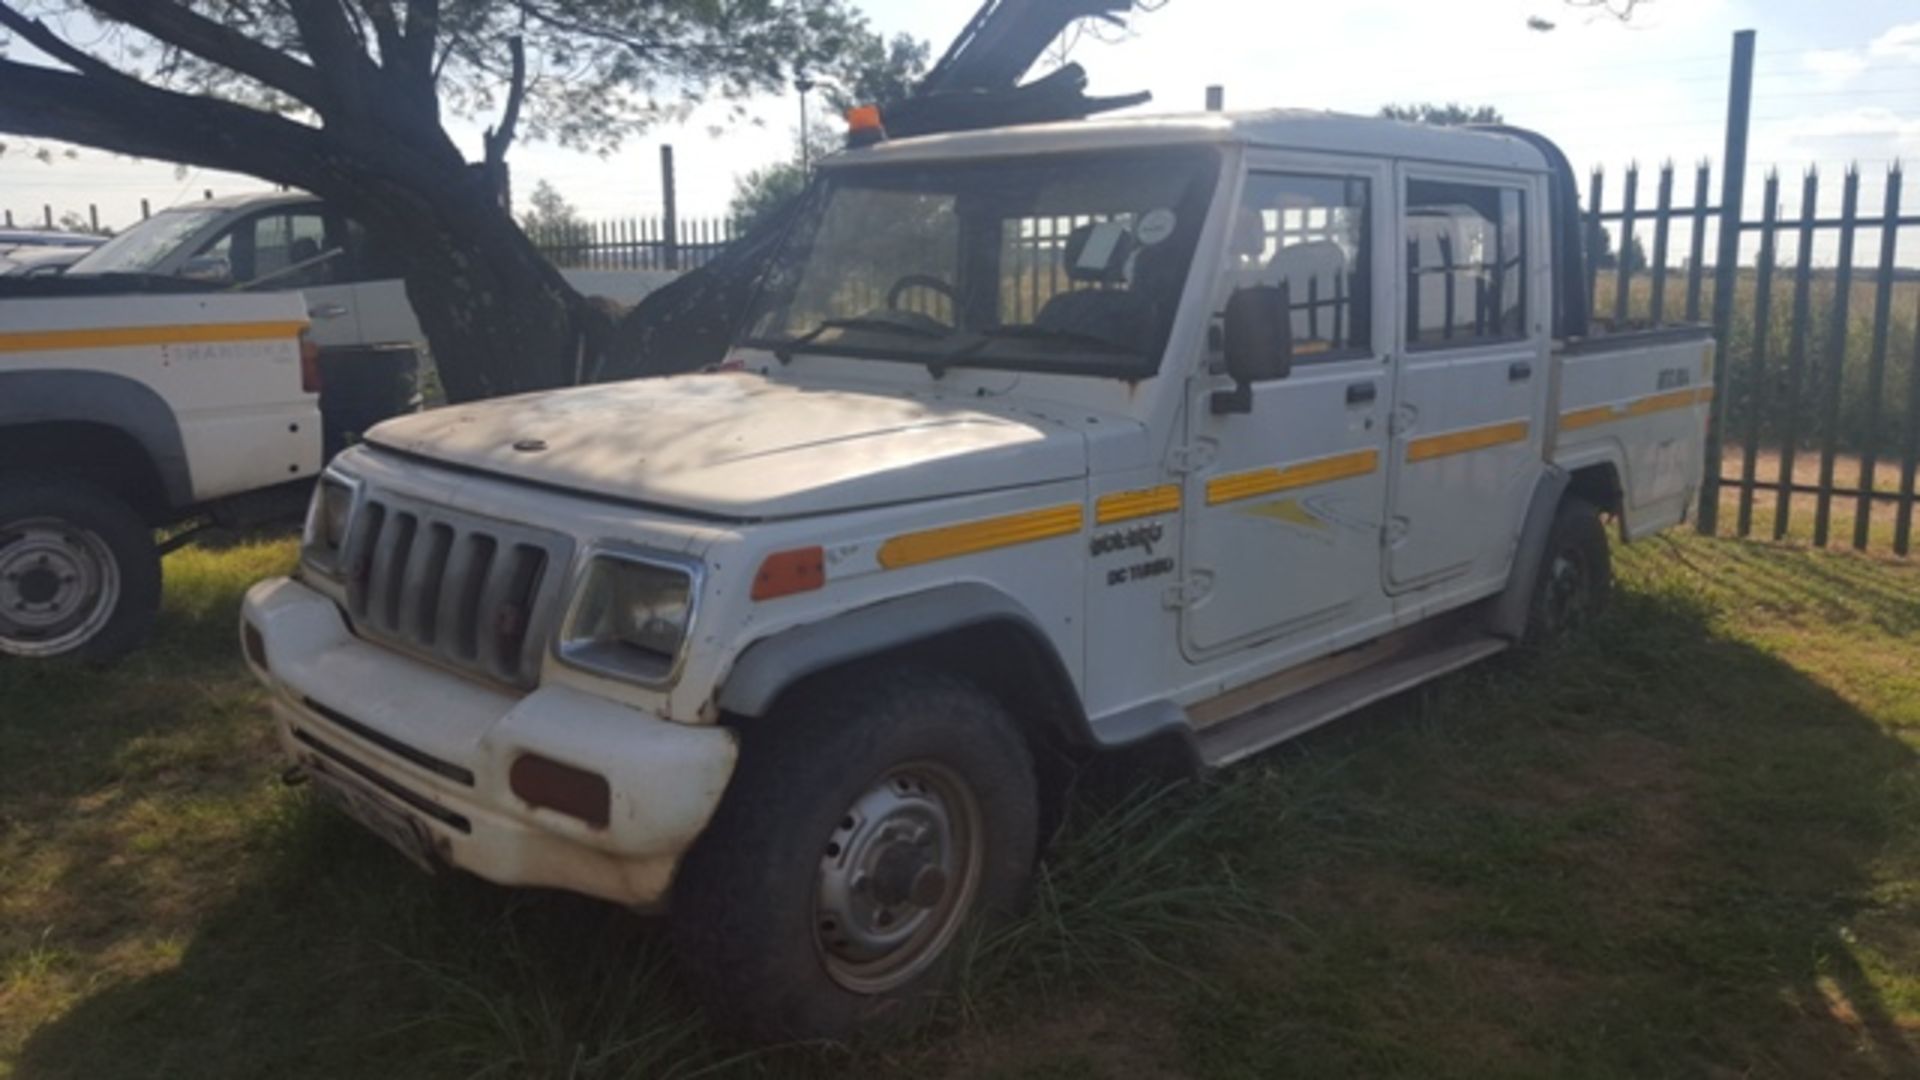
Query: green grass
[[1688, 844]]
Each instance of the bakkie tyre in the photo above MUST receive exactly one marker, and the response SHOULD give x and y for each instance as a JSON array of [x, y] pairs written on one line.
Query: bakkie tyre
[[79, 572], [869, 822], [1576, 574]]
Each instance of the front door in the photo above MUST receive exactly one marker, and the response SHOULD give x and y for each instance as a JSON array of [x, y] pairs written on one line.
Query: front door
[[1473, 375], [1284, 507]]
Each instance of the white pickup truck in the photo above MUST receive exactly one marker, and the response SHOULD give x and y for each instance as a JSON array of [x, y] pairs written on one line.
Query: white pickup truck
[[121, 414], [1190, 433]]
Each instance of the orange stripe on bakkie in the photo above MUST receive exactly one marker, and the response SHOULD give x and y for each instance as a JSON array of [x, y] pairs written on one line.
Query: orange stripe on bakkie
[[120, 337], [986, 534], [1232, 487], [1127, 505], [1462, 442], [1601, 414]]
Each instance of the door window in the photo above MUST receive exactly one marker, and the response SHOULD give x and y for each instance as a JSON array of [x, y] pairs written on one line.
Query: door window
[[1466, 263], [281, 240], [1309, 235]]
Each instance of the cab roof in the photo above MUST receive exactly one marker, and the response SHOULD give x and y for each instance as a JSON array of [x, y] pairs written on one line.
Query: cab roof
[[1288, 129], [247, 200]]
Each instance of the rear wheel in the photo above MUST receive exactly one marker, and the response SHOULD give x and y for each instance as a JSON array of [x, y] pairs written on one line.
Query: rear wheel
[[867, 824], [79, 572], [1576, 574]]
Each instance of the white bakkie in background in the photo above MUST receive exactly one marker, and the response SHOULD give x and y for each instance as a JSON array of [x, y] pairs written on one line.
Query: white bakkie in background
[[122, 414], [1186, 434]]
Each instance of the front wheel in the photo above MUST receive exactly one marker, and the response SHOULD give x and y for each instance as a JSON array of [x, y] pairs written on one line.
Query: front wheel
[[867, 824], [1576, 574], [79, 572]]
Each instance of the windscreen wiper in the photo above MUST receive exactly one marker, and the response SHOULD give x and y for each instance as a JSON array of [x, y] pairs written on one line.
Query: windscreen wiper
[[1030, 332], [938, 366], [784, 350]]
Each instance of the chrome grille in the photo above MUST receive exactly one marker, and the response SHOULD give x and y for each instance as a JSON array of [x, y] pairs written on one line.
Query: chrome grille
[[470, 592]]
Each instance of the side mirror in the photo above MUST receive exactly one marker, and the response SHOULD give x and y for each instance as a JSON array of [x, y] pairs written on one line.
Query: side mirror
[[205, 268], [1258, 342]]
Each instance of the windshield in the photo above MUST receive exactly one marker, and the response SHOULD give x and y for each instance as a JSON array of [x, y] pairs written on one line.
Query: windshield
[[145, 246], [1069, 262]]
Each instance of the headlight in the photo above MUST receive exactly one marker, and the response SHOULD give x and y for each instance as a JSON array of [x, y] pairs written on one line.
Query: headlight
[[630, 616], [329, 517]]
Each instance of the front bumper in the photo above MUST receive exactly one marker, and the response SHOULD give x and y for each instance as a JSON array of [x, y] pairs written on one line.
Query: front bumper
[[435, 749]]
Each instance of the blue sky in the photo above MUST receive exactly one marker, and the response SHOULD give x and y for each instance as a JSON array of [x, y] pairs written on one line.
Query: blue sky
[[1836, 81]]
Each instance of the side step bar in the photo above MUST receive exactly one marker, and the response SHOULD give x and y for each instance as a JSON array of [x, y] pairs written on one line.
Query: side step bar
[[1228, 741]]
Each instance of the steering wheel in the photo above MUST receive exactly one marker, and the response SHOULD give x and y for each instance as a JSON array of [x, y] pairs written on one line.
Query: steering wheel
[[920, 281]]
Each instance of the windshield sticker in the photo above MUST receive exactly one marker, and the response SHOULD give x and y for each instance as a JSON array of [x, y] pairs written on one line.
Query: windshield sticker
[[1097, 252], [1155, 226]]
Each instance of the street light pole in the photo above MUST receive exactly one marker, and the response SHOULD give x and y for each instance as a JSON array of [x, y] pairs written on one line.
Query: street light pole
[[804, 84]]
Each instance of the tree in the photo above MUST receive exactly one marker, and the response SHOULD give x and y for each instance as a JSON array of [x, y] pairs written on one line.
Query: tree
[[1448, 115], [881, 73], [548, 212], [760, 192], [345, 98], [74, 222], [1606, 259]]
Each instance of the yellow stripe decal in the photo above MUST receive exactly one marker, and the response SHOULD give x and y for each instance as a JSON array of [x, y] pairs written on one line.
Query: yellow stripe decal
[[1465, 442], [966, 538], [1233, 487], [1127, 505], [1677, 399], [126, 336], [1601, 414], [1585, 418]]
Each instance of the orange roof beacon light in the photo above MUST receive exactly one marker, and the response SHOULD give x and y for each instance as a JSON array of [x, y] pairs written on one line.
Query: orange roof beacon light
[[864, 127]]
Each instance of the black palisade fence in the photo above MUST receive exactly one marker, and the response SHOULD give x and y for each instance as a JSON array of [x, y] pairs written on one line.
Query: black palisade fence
[[653, 243], [1821, 409]]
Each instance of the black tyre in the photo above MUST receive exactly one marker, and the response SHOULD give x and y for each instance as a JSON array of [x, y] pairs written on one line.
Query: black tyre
[[79, 572], [869, 820], [1576, 574]]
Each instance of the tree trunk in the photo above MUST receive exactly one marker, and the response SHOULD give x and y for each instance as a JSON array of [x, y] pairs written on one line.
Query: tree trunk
[[500, 319]]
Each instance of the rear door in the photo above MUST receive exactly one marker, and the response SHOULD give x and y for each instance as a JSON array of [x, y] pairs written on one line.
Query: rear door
[[1283, 523], [1472, 377], [380, 296], [267, 243]]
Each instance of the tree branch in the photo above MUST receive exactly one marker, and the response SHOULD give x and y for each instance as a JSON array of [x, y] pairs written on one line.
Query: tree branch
[[175, 25], [422, 29], [386, 29], [497, 140], [611, 36], [41, 36], [335, 51], [128, 117]]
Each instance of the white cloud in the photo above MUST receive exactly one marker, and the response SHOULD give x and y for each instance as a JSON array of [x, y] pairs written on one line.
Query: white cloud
[[1897, 43], [1836, 65], [1866, 121]]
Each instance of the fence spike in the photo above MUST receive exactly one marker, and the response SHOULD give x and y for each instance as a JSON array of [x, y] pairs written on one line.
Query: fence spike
[[1877, 362], [1836, 356], [1796, 351]]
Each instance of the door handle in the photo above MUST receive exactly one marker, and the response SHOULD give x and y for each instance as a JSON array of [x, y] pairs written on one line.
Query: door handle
[[1361, 392], [327, 311], [1519, 371]]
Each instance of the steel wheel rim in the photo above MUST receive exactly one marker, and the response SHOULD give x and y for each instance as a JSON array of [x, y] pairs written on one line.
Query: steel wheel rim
[[1567, 590], [897, 876], [59, 584]]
